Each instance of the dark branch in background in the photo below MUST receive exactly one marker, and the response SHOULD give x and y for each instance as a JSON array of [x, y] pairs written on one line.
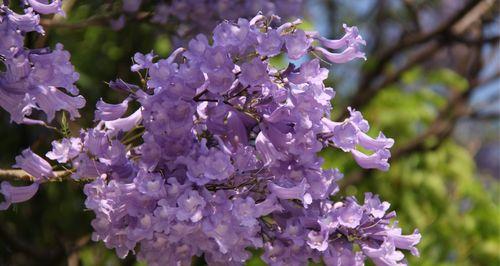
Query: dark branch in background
[[440, 129], [413, 13], [457, 107], [378, 31], [471, 41], [456, 24], [483, 116]]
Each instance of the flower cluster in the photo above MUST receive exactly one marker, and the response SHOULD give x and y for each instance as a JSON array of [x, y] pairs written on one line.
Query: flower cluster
[[222, 155], [34, 78], [201, 16]]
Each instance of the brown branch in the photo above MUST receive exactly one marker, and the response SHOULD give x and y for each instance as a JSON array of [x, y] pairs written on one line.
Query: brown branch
[[419, 57], [457, 107], [413, 13], [483, 116], [442, 127], [455, 24], [21, 175], [471, 41]]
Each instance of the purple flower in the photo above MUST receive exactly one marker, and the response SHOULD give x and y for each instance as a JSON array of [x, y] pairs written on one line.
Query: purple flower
[[54, 69], [374, 206], [27, 22], [297, 44], [108, 112], [341, 253], [220, 80], [401, 241], [46, 8], [150, 184], [380, 143], [269, 43], [350, 215], [246, 211], [377, 160], [340, 58], [32, 78], [385, 255], [318, 240], [65, 150], [266, 149], [351, 132], [295, 192], [122, 86], [124, 124], [345, 136], [118, 24], [350, 41], [216, 58], [214, 165], [34, 165], [191, 206], [237, 37], [51, 100], [309, 72], [142, 61], [351, 38], [254, 73], [14, 194]]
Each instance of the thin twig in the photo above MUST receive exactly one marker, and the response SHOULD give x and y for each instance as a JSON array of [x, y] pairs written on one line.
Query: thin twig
[[21, 175]]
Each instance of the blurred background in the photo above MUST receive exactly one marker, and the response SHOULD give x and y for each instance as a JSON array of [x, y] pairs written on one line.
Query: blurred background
[[431, 82]]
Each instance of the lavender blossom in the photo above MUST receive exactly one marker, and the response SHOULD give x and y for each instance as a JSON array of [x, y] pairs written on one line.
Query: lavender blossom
[[34, 165], [35, 79], [65, 150], [16, 194]]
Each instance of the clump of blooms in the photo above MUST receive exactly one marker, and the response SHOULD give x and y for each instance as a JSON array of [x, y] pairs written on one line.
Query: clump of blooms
[[34, 79], [222, 155]]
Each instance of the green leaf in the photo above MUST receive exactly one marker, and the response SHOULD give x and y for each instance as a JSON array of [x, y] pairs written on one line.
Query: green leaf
[[65, 130]]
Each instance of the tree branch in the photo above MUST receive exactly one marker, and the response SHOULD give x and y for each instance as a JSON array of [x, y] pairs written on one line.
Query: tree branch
[[456, 24], [442, 127], [413, 12], [471, 41], [21, 175]]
